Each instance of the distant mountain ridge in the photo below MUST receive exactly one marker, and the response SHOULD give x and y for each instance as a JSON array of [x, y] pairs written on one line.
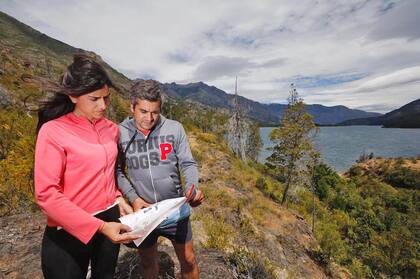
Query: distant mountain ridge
[[217, 98], [266, 114], [407, 116], [324, 115]]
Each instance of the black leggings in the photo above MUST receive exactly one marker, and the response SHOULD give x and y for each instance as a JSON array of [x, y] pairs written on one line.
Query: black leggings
[[64, 256]]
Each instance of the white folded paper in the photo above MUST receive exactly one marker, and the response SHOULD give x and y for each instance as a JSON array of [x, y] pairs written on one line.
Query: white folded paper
[[144, 221]]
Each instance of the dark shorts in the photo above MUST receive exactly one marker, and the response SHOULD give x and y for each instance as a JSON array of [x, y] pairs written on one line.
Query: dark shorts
[[180, 232]]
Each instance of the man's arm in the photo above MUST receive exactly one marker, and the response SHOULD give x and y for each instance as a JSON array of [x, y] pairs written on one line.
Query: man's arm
[[188, 167], [186, 161], [124, 184]]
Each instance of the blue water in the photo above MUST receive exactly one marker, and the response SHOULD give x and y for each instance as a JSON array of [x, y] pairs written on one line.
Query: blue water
[[340, 147]]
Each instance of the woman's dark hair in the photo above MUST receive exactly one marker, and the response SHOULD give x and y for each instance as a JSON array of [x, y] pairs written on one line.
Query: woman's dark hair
[[83, 76]]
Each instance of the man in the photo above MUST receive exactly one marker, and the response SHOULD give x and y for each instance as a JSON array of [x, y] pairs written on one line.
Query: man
[[155, 150]]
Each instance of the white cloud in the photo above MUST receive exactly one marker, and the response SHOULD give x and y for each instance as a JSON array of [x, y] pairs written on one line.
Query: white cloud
[[398, 78], [217, 67], [266, 43], [380, 93], [403, 22]]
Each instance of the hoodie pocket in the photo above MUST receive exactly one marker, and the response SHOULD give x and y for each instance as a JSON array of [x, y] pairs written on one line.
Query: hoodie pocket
[[145, 190], [166, 188]]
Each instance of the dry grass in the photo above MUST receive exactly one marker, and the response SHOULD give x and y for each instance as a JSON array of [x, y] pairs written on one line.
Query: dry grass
[[236, 214], [376, 163]]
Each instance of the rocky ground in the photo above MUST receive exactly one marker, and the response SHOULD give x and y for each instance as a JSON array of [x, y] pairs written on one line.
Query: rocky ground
[[20, 243]]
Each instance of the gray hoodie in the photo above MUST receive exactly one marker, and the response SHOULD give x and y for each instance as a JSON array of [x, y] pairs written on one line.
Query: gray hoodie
[[154, 161]]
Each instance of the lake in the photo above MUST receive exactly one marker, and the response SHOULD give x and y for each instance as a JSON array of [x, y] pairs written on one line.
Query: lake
[[340, 147]]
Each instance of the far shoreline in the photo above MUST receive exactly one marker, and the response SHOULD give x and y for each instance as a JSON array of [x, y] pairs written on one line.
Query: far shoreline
[[336, 125]]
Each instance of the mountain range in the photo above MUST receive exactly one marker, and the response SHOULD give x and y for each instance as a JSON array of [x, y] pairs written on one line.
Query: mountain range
[[407, 116], [265, 114]]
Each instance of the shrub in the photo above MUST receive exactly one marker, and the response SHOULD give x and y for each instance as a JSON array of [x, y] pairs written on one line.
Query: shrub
[[332, 245], [16, 167], [272, 189], [363, 157], [219, 233], [355, 171], [403, 177], [248, 264]]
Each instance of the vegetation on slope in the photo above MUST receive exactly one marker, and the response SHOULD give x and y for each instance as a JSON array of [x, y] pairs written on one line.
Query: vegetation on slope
[[364, 223]]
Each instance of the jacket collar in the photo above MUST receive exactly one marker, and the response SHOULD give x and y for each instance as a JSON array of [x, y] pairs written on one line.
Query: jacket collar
[[82, 120]]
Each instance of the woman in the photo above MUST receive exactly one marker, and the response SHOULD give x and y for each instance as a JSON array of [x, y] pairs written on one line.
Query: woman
[[75, 187]]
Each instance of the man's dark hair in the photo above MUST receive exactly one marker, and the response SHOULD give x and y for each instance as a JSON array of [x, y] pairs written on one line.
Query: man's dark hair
[[148, 90]]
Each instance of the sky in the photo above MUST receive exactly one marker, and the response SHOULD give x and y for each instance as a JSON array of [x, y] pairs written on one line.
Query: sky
[[361, 54]]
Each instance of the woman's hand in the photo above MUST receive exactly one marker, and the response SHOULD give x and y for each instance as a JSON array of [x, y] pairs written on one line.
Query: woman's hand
[[124, 207], [117, 232], [139, 203]]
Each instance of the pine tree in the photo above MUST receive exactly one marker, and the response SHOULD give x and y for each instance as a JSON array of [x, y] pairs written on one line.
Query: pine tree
[[293, 152]]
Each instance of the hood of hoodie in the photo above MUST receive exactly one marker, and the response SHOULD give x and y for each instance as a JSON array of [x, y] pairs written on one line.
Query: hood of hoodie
[[130, 124]]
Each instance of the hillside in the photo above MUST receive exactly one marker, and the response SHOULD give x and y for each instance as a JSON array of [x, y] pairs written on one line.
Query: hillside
[[407, 116], [399, 173], [238, 231], [365, 223], [26, 52], [266, 114]]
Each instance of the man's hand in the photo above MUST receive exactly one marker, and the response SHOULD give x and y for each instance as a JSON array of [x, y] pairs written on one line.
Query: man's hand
[[139, 203], [124, 207], [197, 199], [117, 232]]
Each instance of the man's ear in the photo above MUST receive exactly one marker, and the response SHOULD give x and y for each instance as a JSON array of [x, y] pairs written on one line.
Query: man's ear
[[73, 99], [132, 108]]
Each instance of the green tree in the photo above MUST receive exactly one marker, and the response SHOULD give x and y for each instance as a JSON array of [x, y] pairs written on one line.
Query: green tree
[[293, 149]]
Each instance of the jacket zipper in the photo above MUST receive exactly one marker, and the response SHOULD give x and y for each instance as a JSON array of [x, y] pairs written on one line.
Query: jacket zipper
[[150, 167], [106, 155]]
